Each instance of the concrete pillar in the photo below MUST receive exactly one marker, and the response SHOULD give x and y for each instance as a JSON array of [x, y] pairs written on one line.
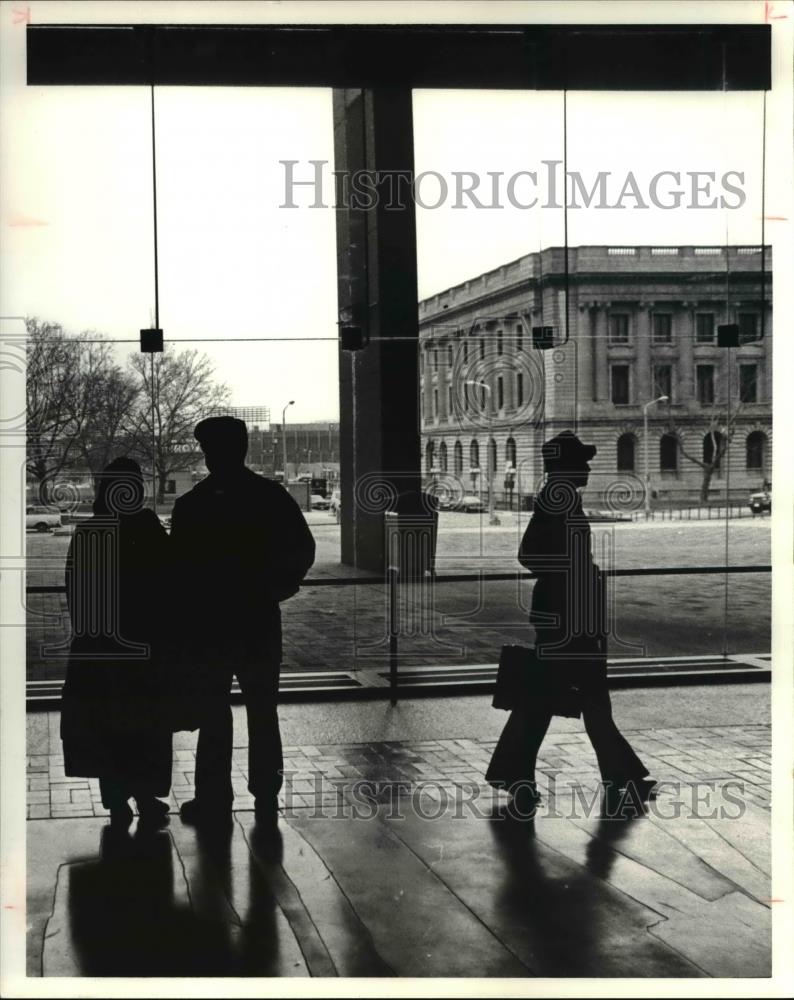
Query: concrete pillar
[[377, 284]]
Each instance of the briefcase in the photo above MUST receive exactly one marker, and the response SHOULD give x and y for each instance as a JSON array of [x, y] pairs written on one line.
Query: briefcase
[[524, 681]]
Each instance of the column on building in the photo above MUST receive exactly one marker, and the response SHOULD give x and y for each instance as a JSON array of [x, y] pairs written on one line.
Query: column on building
[[582, 338], [643, 389], [684, 337], [600, 354]]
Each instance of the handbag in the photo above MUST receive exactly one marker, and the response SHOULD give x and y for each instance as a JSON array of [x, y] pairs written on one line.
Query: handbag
[[523, 681]]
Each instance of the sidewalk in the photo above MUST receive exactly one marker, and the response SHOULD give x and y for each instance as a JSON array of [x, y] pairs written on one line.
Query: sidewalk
[[395, 858]]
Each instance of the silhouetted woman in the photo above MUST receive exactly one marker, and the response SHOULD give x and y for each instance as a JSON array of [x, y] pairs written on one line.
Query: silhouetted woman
[[113, 721], [569, 614]]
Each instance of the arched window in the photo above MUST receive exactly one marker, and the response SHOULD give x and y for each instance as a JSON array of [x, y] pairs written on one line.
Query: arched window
[[668, 453], [442, 456], [756, 452], [713, 450], [430, 452], [474, 455], [492, 457], [510, 452], [626, 448], [458, 452]]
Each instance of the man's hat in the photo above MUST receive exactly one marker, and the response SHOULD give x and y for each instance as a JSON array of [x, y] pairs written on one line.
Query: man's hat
[[566, 451], [221, 431]]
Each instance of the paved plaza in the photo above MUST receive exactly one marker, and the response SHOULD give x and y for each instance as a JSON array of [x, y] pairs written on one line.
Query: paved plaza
[[394, 858]]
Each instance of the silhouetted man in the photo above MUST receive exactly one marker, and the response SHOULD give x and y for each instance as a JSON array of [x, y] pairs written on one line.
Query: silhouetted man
[[569, 615], [243, 546]]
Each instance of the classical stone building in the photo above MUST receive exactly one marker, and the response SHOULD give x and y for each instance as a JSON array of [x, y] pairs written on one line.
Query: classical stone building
[[628, 325]]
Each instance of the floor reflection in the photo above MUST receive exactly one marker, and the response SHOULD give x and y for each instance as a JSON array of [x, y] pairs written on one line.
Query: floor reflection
[[566, 921], [138, 910]]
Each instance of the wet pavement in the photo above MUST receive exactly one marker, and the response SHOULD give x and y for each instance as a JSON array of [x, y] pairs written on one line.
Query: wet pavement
[[392, 857]]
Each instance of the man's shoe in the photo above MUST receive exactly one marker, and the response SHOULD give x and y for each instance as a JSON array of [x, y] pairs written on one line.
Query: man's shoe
[[152, 812], [198, 813]]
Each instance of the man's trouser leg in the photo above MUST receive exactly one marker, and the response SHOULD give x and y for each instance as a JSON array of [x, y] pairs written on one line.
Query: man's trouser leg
[[259, 687], [515, 755], [214, 750], [617, 761]]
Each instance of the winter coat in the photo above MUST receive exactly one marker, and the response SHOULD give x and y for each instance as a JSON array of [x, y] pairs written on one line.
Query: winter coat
[[113, 723], [568, 607]]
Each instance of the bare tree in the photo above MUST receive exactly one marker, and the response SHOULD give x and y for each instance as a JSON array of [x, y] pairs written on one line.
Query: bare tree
[[67, 377], [109, 410], [183, 392], [719, 430]]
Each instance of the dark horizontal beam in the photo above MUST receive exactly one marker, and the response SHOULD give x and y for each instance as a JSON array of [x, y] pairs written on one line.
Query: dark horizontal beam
[[533, 57]]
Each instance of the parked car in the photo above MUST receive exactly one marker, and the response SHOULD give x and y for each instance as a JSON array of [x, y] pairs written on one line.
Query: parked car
[[316, 502], [42, 518], [469, 504], [761, 501]]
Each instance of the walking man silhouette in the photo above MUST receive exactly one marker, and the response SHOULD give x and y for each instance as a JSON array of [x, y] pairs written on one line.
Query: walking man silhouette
[[243, 546], [569, 615]]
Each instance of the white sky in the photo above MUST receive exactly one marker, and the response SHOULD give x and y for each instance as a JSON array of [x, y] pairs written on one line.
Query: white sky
[[78, 212]]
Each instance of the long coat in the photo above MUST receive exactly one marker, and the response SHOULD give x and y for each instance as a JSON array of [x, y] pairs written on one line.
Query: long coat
[[113, 723], [568, 607], [242, 546]]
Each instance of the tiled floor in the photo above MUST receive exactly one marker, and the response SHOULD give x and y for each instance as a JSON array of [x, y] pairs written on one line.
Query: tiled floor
[[394, 858], [738, 756]]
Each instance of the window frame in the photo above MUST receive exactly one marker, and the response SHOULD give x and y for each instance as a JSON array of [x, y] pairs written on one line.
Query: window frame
[[612, 369], [659, 390], [613, 340], [713, 333], [703, 367], [626, 436], [669, 469], [655, 339], [754, 367]]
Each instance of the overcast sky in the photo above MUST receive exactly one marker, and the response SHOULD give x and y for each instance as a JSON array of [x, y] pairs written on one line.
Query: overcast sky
[[78, 207]]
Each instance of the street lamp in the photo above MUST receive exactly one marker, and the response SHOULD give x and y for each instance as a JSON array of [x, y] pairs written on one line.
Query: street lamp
[[659, 399], [284, 437], [484, 385]]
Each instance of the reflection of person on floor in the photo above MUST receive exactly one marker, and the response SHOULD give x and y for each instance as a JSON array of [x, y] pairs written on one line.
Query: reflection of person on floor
[[130, 916], [242, 546], [569, 615], [112, 725]]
